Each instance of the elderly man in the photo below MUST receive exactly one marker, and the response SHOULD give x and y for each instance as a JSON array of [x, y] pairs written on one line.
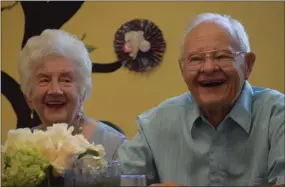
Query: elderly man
[[224, 131]]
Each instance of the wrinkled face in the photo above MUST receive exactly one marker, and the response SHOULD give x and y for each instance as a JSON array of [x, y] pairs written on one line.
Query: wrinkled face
[[54, 91], [212, 65]]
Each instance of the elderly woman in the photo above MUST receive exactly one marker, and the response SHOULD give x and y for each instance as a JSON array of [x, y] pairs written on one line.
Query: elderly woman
[[55, 74]]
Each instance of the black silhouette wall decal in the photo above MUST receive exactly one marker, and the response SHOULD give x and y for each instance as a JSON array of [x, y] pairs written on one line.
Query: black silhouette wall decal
[[41, 15], [8, 7], [12, 91]]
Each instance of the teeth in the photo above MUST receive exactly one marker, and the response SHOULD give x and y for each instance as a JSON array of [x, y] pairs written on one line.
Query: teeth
[[54, 103], [212, 83]]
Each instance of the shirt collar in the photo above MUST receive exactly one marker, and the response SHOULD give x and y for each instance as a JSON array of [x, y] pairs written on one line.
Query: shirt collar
[[193, 111], [241, 112]]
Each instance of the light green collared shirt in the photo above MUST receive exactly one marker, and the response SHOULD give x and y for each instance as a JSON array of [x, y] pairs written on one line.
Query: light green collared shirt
[[175, 143]]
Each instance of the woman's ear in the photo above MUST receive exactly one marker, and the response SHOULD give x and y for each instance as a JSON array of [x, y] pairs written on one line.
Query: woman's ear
[[29, 102], [84, 96]]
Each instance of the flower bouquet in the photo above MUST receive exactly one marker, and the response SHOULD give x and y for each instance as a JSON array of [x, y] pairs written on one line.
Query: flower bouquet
[[36, 158]]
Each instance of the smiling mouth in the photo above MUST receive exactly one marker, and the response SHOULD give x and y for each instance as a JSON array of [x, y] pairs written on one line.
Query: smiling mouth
[[211, 83], [55, 104]]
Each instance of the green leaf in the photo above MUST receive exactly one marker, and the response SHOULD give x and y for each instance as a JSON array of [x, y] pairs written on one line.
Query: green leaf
[[7, 161], [88, 152], [90, 48]]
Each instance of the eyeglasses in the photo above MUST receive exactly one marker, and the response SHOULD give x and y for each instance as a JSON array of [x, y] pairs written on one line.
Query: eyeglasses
[[223, 56]]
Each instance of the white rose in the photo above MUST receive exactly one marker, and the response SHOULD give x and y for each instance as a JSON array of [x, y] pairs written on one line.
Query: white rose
[[59, 132], [45, 145], [144, 46], [18, 138], [71, 145], [59, 164], [81, 140]]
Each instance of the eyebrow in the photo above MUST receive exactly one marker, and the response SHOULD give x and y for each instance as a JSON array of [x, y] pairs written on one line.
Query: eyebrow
[[214, 50], [67, 73], [41, 74], [45, 74]]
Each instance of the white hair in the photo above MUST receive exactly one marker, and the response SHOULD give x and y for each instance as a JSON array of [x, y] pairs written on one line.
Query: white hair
[[233, 26], [55, 43]]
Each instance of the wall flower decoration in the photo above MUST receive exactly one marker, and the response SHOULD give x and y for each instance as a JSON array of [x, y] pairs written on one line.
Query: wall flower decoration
[[139, 45]]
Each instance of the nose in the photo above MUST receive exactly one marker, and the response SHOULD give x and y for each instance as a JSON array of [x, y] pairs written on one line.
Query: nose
[[54, 88], [208, 66]]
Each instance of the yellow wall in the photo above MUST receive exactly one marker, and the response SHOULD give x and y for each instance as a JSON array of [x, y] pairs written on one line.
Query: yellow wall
[[121, 96]]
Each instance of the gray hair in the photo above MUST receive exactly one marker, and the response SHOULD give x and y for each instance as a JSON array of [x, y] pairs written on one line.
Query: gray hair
[[234, 27], [55, 43]]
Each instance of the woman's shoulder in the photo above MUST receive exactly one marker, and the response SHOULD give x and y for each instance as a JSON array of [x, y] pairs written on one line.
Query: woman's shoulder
[[104, 128], [108, 135], [109, 138]]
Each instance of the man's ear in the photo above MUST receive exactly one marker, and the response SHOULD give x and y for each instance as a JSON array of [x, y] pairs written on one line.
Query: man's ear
[[180, 65], [249, 61], [29, 102]]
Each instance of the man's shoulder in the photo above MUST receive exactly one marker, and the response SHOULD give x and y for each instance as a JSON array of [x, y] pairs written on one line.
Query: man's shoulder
[[267, 103], [268, 97], [168, 105], [167, 111]]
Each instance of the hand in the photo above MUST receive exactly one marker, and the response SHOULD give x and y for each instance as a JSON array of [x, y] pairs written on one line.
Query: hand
[[165, 184]]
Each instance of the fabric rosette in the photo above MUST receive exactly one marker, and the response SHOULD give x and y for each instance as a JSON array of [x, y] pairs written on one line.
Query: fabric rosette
[[139, 45]]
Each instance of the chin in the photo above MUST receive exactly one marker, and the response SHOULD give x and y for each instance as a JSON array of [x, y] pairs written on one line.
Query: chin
[[210, 103], [50, 122], [55, 117]]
